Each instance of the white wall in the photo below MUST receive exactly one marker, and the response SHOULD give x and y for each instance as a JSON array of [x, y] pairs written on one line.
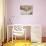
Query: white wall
[[39, 12]]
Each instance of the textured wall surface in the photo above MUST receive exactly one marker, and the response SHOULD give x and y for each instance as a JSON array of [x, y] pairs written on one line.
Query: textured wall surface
[[38, 16]]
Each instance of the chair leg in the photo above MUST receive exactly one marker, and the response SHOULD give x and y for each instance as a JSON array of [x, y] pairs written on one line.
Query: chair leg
[[15, 38], [12, 37]]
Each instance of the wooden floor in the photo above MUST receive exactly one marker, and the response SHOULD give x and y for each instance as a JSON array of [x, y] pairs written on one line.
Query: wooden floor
[[18, 43], [23, 43]]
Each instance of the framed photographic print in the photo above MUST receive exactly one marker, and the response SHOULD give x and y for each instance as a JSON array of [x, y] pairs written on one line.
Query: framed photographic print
[[26, 9]]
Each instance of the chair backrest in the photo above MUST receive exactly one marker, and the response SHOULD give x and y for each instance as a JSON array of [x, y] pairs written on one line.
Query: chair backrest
[[18, 30]]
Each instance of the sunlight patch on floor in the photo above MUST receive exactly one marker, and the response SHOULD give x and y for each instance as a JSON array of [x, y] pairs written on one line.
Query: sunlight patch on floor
[[23, 43], [18, 43]]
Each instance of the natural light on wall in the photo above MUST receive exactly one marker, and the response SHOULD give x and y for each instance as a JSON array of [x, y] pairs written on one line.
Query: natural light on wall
[[1, 16]]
